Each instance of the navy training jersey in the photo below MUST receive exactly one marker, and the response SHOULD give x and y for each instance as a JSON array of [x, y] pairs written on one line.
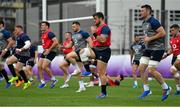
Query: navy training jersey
[[79, 39], [20, 42], [4, 35], [137, 48], [149, 29]]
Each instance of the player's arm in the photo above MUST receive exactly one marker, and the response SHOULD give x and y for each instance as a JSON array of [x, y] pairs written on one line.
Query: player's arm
[[27, 44], [70, 45], [102, 38], [167, 53], [10, 43], [88, 39], [54, 39], [55, 43], [160, 33]]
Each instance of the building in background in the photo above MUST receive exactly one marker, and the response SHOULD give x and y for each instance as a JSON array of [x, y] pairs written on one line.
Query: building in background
[[56, 9], [8, 10]]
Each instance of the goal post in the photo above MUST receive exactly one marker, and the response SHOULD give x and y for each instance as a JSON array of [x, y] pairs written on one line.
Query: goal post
[[44, 15]]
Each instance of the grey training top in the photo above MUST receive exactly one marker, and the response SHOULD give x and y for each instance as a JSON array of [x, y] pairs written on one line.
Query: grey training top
[[79, 39], [149, 29]]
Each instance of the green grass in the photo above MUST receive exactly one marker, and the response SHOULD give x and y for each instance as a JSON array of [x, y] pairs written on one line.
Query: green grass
[[123, 95]]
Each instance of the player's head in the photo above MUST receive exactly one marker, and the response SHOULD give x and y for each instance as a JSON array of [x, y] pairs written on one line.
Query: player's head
[[174, 29], [45, 25], [136, 38], [145, 11], [1, 24], [75, 26], [98, 18], [18, 30], [68, 35]]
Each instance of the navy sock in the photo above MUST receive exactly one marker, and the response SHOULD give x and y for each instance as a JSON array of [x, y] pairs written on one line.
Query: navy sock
[[86, 66], [11, 68], [4, 73], [23, 75], [103, 89]]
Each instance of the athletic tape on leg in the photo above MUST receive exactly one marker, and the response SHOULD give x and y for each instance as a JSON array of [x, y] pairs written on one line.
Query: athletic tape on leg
[[85, 55]]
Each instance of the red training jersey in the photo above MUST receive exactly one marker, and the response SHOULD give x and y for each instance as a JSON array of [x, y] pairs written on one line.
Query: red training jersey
[[46, 41], [99, 32], [175, 44], [67, 50]]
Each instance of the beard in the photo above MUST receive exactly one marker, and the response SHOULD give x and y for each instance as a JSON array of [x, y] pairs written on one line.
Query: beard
[[98, 24]]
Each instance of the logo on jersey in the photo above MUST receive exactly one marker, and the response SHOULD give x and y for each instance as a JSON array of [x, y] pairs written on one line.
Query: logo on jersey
[[146, 27]]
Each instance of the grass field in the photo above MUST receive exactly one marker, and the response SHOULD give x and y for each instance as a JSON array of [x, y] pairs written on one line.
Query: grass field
[[123, 95]]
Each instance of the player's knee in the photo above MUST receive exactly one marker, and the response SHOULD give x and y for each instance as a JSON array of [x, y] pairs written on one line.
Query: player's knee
[[142, 67], [8, 62], [62, 65], [153, 64], [44, 67], [177, 64], [151, 70], [39, 66], [176, 75], [173, 69], [69, 57], [134, 72], [84, 54], [178, 57]]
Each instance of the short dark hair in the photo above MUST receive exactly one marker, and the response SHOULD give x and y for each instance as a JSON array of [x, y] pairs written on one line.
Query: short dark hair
[[99, 15], [176, 26], [148, 7], [19, 26], [136, 35], [69, 33], [76, 22], [2, 22], [47, 23]]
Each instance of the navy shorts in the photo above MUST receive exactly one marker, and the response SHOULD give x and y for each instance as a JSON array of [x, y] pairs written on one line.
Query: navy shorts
[[155, 55], [136, 62], [102, 55], [50, 56], [30, 63], [22, 59]]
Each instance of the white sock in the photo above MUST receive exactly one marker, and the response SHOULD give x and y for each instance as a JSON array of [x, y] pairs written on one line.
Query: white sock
[[77, 67], [81, 84], [91, 82], [178, 87], [146, 87], [31, 79], [164, 86], [135, 83], [42, 81], [99, 81], [53, 78]]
